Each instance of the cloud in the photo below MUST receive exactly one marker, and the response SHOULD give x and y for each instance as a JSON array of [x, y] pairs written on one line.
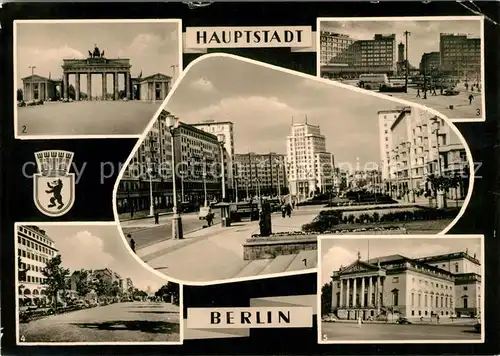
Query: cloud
[[253, 115], [203, 84], [45, 59], [142, 43], [86, 251], [331, 261]]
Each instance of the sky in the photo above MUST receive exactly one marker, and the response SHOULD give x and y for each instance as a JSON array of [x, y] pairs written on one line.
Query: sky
[[424, 35], [343, 252], [261, 102], [97, 247], [151, 47]]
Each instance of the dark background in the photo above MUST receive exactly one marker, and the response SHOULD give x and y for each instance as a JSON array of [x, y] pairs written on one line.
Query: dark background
[[93, 202]]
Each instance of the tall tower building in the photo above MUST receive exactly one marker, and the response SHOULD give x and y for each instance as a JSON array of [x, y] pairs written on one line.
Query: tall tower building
[[309, 165], [401, 52]]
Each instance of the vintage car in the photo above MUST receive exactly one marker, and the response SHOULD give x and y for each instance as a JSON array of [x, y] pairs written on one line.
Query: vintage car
[[402, 320], [204, 212]]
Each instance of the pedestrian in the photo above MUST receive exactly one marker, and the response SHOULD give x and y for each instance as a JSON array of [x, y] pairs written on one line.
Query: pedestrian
[[289, 210], [131, 242], [471, 97], [157, 218], [437, 318], [434, 91], [209, 218], [418, 93], [283, 210], [293, 204], [359, 321], [132, 212], [441, 91]]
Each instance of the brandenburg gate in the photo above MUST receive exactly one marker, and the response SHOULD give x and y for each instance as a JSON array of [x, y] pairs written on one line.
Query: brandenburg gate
[[150, 88], [96, 63]]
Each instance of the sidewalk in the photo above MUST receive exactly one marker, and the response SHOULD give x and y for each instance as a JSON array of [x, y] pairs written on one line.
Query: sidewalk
[[447, 322], [213, 253]]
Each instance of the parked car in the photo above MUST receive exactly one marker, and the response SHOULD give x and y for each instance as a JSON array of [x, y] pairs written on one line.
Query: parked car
[[401, 320], [328, 318], [204, 212], [451, 92], [188, 207]]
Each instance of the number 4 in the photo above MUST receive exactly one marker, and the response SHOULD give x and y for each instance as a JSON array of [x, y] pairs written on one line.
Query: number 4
[[23, 339]]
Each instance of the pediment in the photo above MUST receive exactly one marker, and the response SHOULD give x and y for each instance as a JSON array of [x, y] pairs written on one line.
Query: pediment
[[157, 76], [36, 77], [359, 267]]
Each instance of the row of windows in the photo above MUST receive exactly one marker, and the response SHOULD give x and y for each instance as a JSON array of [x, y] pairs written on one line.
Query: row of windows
[[31, 267], [30, 244], [35, 236], [430, 300], [32, 279], [34, 256]]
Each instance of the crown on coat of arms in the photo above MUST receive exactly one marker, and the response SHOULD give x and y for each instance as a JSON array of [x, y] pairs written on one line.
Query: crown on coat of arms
[[54, 163]]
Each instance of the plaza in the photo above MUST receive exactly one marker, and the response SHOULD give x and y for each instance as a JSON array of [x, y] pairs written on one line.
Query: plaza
[[345, 332], [86, 118], [119, 322]]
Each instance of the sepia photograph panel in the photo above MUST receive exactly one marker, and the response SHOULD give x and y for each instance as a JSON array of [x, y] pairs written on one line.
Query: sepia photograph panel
[[437, 62], [392, 289], [298, 159], [96, 77], [80, 284]]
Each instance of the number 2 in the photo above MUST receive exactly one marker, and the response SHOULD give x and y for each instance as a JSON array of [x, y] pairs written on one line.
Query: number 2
[[24, 129]]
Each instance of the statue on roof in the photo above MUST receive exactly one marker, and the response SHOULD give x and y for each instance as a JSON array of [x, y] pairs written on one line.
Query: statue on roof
[[97, 52], [359, 256]]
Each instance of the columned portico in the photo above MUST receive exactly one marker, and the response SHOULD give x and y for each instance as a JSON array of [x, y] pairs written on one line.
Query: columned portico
[[359, 289], [96, 63]]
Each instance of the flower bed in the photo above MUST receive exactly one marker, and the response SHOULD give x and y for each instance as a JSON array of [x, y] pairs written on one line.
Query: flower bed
[[266, 247]]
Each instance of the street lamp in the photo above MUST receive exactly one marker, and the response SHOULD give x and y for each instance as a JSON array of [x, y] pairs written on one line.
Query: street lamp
[[221, 138], [205, 181], [172, 124], [235, 180], [410, 171], [182, 186], [151, 204]]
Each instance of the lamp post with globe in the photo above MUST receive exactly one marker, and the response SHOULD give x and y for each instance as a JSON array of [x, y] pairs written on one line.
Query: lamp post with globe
[[172, 124]]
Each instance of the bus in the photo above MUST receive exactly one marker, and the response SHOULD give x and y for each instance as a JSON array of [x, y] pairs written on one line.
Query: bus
[[373, 81]]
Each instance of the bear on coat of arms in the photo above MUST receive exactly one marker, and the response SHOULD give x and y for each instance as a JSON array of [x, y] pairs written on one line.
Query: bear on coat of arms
[[55, 190]]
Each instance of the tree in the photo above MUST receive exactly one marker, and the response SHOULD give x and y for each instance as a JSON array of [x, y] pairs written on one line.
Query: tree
[[101, 287], [115, 289], [170, 289], [20, 95], [55, 277], [326, 298], [83, 286]]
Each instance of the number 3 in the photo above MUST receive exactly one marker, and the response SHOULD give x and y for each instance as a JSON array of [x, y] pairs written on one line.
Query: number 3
[[478, 112]]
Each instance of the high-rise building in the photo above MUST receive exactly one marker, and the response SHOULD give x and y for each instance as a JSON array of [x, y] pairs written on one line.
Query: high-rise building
[[401, 52], [333, 47], [309, 166], [34, 250], [262, 173], [430, 63], [385, 120], [461, 56], [377, 55], [196, 150], [417, 137], [225, 128], [414, 288]]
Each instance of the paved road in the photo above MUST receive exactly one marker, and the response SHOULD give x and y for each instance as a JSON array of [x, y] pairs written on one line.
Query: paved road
[[351, 331], [441, 103], [86, 117], [135, 321], [145, 232]]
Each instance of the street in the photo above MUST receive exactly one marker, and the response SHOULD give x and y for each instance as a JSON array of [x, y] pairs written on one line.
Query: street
[[86, 118], [216, 253], [145, 232], [120, 322], [339, 331], [461, 108]]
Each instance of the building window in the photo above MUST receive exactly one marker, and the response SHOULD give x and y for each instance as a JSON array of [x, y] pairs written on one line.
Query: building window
[[413, 313], [456, 267], [466, 302], [395, 297], [413, 299], [395, 279], [465, 287]]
